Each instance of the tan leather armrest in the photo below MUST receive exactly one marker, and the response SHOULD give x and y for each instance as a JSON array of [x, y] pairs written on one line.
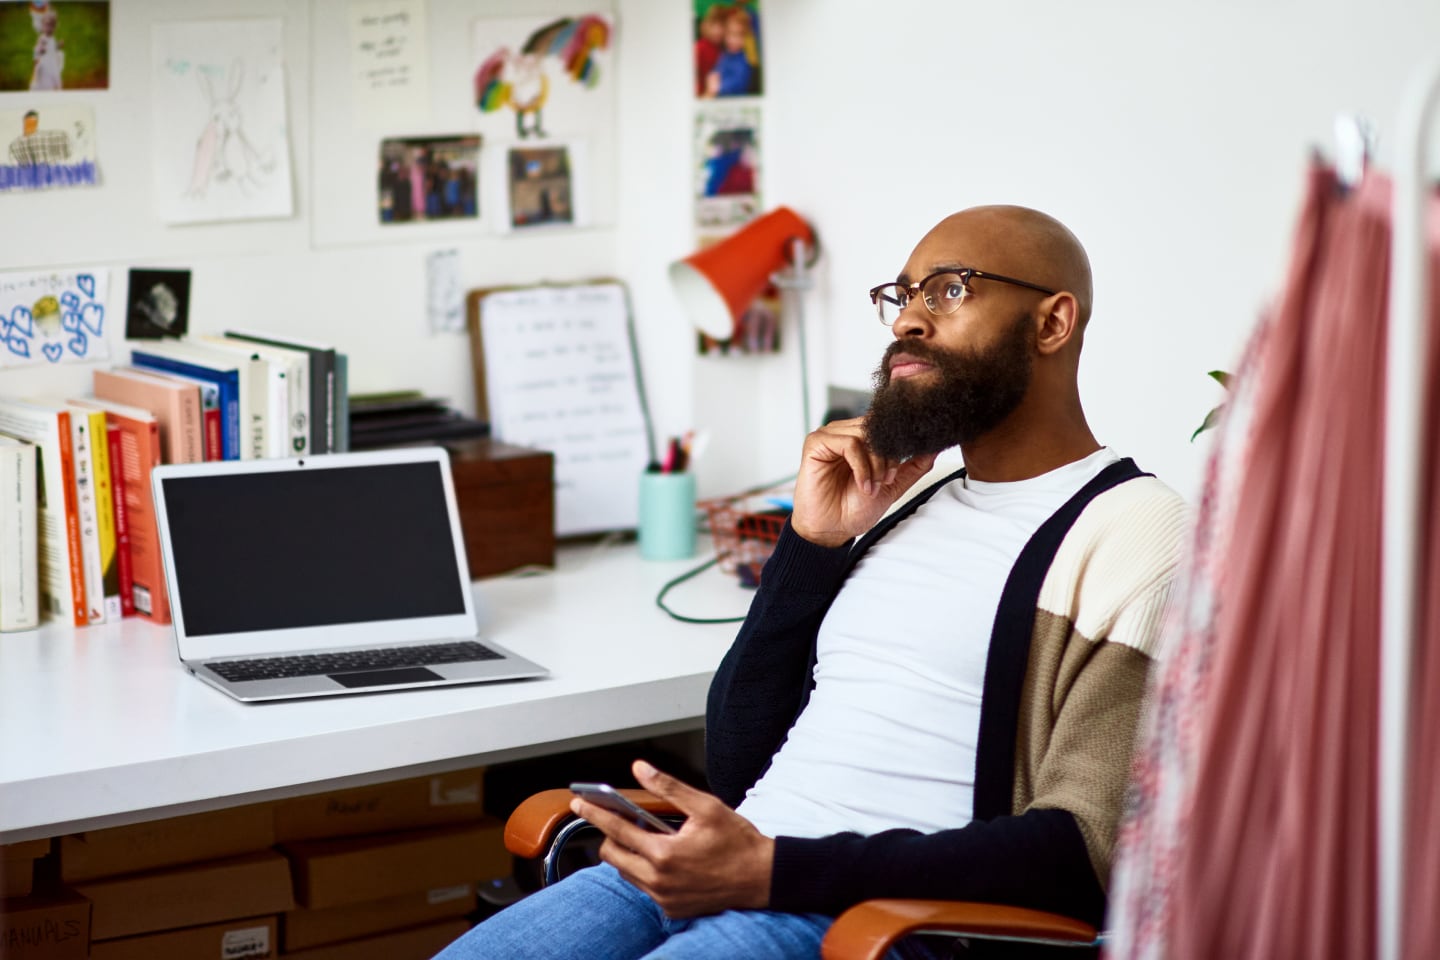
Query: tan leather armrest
[[530, 828], [867, 930]]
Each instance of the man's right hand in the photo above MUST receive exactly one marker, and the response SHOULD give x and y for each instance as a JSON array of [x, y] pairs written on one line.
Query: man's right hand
[[843, 488]]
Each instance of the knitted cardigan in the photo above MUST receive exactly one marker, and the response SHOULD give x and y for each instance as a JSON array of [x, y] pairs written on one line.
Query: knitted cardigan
[[1069, 653]]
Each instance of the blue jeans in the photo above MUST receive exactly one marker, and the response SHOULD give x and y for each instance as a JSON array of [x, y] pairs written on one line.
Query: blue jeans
[[595, 915]]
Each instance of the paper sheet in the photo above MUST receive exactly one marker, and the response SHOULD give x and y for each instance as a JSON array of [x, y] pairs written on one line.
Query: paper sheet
[[560, 375], [444, 298], [391, 63], [52, 318], [220, 136], [46, 146]]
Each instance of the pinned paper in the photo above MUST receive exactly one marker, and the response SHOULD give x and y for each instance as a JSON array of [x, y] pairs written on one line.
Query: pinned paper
[[445, 300], [53, 318], [390, 61]]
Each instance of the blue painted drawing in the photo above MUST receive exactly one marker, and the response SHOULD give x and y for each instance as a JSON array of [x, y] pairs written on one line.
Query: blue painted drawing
[[52, 318]]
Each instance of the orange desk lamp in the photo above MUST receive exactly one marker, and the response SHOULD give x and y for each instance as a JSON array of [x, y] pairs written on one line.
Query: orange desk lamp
[[718, 284]]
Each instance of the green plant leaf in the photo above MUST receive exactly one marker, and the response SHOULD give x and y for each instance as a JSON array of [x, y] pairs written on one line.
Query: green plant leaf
[[1220, 377], [1211, 418]]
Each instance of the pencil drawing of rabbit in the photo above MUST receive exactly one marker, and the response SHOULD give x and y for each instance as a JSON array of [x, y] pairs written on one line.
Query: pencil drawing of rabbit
[[223, 153]]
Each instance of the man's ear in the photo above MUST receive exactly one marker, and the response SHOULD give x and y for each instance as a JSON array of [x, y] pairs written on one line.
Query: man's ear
[[1059, 322]]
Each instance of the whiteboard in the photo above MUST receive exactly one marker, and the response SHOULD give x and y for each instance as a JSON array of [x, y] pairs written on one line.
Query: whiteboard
[[560, 375]]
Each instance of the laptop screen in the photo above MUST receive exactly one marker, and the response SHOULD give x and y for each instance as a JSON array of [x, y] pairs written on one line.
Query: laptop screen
[[312, 548]]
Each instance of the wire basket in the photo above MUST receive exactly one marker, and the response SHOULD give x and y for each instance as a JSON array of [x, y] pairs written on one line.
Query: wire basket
[[744, 529]]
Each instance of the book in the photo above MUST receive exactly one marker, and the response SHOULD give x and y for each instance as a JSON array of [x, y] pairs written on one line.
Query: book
[[297, 388], [172, 356], [123, 564], [268, 405], [139, 444], [104, 506], [86, 428], [212, 446], [19, 533], [62, 573], [175, 404], [323, 386]]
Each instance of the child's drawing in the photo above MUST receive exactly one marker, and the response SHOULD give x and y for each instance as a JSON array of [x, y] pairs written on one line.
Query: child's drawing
[[222, 144], [51, 318], [517, 58], [224, 153]]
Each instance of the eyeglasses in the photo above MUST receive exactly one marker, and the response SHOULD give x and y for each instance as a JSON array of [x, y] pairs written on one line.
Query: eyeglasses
[[943, 292]]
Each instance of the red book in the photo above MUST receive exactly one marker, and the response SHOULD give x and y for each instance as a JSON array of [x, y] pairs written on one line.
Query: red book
[[122, 519], [139, 454]]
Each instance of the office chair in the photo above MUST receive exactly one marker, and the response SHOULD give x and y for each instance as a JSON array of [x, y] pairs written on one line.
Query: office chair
[[543, 824]]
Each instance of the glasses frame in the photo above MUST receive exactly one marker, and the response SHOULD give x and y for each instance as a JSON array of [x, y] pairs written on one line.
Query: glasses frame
[[966, 274]]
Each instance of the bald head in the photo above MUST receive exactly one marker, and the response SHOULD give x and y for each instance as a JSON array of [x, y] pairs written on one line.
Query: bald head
[[1020, 242]]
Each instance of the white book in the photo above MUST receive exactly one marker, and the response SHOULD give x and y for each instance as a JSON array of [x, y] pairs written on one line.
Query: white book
[[62, 578], [277, 391], [82, 446], [297, 388], [19, 537]]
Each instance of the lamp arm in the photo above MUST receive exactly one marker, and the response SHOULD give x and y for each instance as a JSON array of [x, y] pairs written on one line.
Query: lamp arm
[[793, 282]]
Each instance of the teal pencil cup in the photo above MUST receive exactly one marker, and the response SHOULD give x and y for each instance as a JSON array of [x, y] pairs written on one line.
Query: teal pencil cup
[[667, 516]]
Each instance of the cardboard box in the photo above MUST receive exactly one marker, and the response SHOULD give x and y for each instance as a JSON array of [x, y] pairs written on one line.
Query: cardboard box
[[415, 943], [312, 928], [251, 885], [506, 497], [399, 805], [163, 843], [55, 926], [17, 866], [252, 938], [329, 873], [17, 878]]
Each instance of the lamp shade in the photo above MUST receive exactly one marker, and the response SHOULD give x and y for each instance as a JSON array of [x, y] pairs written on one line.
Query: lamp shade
[[718, 284]]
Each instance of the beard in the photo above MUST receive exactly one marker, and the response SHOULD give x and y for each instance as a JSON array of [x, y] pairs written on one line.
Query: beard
[[975, 392]]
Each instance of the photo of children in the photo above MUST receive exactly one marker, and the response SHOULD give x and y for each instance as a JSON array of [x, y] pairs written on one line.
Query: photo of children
[[428, 178], [540, 189], [727, 165], [727, 48], [54, 45]]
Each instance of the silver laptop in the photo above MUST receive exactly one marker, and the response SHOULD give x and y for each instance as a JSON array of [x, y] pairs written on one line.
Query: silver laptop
[[329, 574]]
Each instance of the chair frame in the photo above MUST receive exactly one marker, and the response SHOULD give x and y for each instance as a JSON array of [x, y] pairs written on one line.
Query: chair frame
[[542, 825]]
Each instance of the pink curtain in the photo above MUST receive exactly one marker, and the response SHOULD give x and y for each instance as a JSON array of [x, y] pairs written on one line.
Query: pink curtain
[[1251, 831]]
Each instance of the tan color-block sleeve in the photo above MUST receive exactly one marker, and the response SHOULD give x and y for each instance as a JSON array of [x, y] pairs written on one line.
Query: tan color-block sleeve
[[1074, 748]]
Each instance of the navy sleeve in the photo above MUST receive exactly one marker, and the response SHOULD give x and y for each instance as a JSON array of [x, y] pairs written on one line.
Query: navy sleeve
[[764, 679], [1037, 859]]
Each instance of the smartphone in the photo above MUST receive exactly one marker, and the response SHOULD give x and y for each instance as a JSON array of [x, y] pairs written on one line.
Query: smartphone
[[604, 795]]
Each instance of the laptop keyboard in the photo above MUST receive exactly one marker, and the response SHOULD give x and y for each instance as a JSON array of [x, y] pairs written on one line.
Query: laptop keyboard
[[317, 664]]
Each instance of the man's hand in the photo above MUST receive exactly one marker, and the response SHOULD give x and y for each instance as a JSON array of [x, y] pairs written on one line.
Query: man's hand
[[843, 488], [718, 861]]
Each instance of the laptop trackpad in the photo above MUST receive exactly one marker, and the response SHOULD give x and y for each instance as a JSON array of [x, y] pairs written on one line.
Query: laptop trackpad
[[380, 678]]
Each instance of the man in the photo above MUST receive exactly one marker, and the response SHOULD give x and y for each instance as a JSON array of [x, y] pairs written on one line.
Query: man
[[35, 146], [944, 707]]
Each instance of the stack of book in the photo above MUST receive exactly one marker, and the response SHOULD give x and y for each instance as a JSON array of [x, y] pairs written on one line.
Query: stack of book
[[407, 417], [78, 540]]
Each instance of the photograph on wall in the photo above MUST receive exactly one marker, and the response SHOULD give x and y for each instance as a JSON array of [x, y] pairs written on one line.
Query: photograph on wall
[[428, 178], [542, 77], [158, 305], [727, 48], [47, 146], [727, 165], [49, 318], [59, 45], [220, 135], [540, 187]]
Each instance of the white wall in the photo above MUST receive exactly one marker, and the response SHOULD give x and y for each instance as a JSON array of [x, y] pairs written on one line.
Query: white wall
[[1171, 137]]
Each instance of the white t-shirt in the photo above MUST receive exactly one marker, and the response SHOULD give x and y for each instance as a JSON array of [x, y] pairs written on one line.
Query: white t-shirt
[[888, 738]]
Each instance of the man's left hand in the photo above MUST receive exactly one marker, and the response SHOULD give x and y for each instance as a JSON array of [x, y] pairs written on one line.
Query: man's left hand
[[718, 861]]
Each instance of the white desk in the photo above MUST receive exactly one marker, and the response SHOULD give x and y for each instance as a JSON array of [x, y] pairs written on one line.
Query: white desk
[[100, 726]]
